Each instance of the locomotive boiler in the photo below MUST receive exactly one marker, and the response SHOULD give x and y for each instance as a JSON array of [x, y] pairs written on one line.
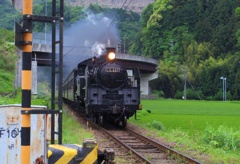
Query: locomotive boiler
[[104, 88]]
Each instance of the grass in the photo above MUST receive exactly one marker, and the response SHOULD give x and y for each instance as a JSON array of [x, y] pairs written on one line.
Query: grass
[[6, 86], [15, 98], [211, 128], [191, 115], [73, 132]]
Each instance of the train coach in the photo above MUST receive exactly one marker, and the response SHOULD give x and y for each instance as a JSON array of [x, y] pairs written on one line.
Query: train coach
[[104, 88]]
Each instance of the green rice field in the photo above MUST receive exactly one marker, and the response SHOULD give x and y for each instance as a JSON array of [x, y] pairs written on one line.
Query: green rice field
[[207, 130], [189, 115]]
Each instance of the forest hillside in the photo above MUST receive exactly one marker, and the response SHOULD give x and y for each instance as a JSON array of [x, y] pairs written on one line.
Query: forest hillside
[[197, 43]]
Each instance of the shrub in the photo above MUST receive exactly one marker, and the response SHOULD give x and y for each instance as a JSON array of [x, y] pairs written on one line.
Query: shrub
[[159, 94], [8, 57], [142, 112], [156, 125], [191, 94], [223, 137]]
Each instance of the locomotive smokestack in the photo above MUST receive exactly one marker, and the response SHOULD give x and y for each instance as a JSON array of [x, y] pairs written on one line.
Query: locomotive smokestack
[[110, 49]]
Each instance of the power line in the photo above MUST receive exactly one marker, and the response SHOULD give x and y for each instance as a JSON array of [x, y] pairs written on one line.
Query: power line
[[114, 19], [194, 89]]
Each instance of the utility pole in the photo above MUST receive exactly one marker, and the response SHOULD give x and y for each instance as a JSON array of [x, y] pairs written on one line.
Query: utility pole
[[124, 44], [225, 89], [26, 81], [13, 3], [185, 83], [224, 79], [45, 22]]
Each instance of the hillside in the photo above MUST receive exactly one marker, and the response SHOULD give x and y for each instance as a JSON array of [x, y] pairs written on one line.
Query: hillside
[[134, 5], [197, 40]]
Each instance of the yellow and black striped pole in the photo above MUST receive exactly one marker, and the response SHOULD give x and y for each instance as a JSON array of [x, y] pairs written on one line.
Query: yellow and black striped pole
[[26, 80]]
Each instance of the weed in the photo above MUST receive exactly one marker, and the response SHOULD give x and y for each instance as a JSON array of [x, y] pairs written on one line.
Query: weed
[[222, 137], [156, 125]]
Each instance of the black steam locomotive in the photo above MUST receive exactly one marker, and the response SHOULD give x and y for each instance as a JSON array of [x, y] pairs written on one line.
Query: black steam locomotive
[[104, 88]]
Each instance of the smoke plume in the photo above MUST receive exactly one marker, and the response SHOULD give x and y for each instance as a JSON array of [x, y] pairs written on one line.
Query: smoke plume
[[88, 38]]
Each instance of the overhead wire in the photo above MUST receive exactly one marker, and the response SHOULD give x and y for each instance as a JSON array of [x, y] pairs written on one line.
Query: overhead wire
[[113, 21]]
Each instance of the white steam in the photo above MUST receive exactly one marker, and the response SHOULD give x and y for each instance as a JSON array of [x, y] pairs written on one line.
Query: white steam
[[88, 38], [98, 48]]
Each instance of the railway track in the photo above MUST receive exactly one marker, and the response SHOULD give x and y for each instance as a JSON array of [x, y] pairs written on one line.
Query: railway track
[[143, 149], [131, 147], [148, 150]]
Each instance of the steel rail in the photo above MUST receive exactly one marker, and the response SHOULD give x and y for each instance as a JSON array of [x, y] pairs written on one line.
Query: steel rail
[[159, 146], [126, 146], [164, 148]]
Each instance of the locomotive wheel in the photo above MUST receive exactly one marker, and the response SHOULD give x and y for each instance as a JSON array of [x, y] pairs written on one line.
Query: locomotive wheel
[[124, 121], [100, 120]]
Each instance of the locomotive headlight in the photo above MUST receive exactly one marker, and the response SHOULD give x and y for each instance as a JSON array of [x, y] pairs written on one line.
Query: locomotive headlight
[[111, 56]]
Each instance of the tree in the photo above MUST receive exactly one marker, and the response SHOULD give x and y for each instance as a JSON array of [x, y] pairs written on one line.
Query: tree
[[7, 50], [95, 8], [170, 79], [8, 15], [200, 34], [237, 11]]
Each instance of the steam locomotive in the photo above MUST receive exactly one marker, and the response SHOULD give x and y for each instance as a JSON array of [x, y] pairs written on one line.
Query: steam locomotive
[[104, 88]]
